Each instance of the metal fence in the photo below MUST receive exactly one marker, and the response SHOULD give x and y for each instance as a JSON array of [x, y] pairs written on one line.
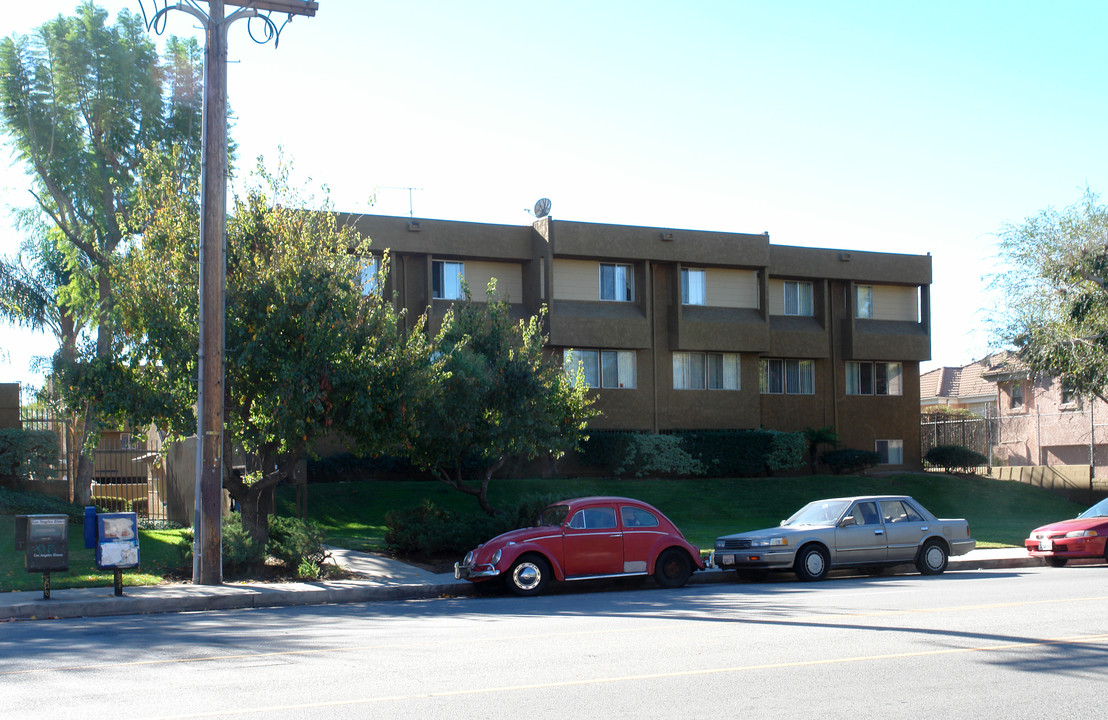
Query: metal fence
[[128, 472]]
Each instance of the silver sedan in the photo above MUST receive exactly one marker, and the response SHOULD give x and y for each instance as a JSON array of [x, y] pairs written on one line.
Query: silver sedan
[[868, 532]]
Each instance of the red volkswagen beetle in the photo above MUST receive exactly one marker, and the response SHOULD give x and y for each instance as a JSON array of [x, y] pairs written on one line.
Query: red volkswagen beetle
[[583, 539], [1083, 537]]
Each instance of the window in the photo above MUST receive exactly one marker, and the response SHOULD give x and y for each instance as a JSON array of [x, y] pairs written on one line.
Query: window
[[603, 368], [699, 371], [601, 518], [367, 278], [891, 452], [637, 517], [447, 280], [1016, 400], [798, 298], [617, 282], [692, 286], [874, 378], [1069, 394], [864, 301], [899, 511], [791, 377]]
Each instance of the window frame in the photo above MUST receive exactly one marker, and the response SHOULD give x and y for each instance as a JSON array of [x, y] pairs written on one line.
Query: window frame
[[866, 380], [890, 444], [367, 275], [628, 284], [700, 287], [803, 306], [593, 359], [439, 279], [802, 372], [1015, 396], [703, 370], [863, 310]]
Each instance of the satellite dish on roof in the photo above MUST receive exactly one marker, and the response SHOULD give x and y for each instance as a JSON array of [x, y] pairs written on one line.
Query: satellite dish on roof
[[542, 207]]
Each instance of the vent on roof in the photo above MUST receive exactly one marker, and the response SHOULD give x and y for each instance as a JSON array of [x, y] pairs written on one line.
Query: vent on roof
[[667, 236], [414, 227], [844, 257]]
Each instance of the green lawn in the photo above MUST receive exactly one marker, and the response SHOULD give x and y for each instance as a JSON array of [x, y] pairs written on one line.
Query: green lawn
[[1000, 513], [353, 514], [158, 556]]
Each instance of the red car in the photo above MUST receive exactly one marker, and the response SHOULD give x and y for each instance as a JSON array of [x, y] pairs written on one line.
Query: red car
[[583, 539], [1086, 536]]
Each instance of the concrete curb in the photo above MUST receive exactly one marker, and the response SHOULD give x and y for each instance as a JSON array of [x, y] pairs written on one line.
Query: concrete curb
[[157, 599]]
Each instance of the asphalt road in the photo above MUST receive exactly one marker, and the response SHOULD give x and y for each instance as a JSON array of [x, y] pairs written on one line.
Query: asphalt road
[[1021, 643]]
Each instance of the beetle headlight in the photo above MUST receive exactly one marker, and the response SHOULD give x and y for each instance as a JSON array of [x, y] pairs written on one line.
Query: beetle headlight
[[495, 557], [1081, 533], [468, 558], [769, 542]]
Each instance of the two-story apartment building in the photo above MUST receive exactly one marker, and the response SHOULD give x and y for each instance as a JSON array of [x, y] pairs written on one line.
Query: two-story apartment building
[[686, 329]]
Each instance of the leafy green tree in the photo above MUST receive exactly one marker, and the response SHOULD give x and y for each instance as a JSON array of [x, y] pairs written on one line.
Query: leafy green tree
[[1053, 289], [501, 396], [80, 101], [309, 353]]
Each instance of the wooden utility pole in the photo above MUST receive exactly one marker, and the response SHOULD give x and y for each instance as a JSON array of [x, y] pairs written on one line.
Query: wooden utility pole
[[207, 566]]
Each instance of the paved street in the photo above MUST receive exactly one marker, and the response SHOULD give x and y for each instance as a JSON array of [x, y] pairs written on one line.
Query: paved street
[[1019, 643]]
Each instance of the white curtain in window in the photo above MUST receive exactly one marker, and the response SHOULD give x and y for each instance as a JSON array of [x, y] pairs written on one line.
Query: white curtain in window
[[865, 301], [730, 372], [806, 375], [586, 359], [688, 371], [692, 286], [853, 379], [892, 377], [626, 369]]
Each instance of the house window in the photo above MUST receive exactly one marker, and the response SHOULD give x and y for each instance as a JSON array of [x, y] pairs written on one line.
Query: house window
[[1069, 393], [863, 307], [790, 377], [692, 286], [699, 371], [798, 298], [617, 282], [874, 378], [367, 278], [603, 368], [447, 280], [891, 452], [1015, 402]]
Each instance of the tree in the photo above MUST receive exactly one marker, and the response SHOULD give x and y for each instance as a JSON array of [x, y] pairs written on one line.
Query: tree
[[816, 437], [501, 396], [309, 353], [80, 101], [1054, 294]]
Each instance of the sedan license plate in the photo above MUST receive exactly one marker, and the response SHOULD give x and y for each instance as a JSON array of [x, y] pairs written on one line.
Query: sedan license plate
[[725, 559], [1046, 545]]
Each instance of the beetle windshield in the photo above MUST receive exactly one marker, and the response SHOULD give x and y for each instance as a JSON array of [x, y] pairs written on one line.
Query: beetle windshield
[[1098, 510], [820, 512], [552, 515]]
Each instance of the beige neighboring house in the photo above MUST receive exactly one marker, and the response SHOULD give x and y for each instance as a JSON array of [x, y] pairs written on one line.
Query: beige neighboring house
[[960, 388]]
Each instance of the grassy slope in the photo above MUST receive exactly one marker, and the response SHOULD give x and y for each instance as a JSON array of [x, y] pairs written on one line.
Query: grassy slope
[[1000, 513]]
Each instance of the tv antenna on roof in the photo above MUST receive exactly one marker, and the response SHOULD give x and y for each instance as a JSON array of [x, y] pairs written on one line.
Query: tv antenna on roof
[[411, 210], [542, 208]]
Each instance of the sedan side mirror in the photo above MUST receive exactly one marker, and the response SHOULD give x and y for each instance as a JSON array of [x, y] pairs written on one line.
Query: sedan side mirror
[[847, 521]]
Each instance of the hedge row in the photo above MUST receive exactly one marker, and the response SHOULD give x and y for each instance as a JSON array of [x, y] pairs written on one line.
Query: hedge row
[[699, 453], [26, 455]]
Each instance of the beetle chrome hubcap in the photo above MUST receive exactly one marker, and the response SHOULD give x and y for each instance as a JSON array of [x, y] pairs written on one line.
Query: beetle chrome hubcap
[[526, 576]]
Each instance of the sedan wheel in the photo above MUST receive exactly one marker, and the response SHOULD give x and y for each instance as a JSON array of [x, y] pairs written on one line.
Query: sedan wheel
[[528, 576], [811, 563], [672, 569], [932, 558]]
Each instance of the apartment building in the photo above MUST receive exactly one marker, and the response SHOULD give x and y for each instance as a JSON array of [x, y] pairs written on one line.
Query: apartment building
[[686, 329]]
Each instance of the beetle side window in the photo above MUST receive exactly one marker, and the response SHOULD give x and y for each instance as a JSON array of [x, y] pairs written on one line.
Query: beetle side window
[[634, 517], [601, 518]]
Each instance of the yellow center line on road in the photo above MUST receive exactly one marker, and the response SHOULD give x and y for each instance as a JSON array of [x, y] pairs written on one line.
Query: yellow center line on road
[[532, 636], [631, 678]]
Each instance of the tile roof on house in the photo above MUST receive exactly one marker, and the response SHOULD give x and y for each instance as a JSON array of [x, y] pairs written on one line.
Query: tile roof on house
[[974, 381]]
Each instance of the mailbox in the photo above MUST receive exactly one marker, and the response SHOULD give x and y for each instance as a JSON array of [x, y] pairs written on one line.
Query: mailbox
[[45, 542], [117, 543]]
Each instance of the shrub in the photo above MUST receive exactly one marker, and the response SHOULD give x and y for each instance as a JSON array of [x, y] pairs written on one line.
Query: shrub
[[606, 449], [787, 450], [14, 502], [296, 542], [849, 460], [240, 551], [953, 458], [648, 455], [27, 455]]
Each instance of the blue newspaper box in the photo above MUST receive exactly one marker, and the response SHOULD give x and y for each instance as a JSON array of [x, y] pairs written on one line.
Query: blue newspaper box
[[117, 543]]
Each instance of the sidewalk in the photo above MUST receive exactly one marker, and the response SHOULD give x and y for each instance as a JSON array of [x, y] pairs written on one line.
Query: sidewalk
[[382, 579]]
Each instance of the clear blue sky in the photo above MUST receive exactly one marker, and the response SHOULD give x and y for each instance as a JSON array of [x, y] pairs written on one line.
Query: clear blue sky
[[903, 127]]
